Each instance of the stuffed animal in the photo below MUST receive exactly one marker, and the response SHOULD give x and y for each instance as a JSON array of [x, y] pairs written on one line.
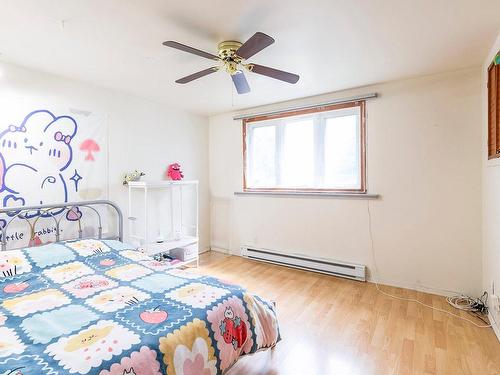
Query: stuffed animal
[[174, 172], [133, 176]]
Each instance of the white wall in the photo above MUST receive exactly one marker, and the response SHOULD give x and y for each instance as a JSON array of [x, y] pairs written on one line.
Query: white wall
[[142, 134], [491, 198], [424, 158]]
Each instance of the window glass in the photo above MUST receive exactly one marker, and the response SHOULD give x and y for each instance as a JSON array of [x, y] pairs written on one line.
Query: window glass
[[342, 154], [298, 156], [321, 150], [261, 164]]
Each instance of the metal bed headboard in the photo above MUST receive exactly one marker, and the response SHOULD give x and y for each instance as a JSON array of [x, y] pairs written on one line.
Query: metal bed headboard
[[57, 212]]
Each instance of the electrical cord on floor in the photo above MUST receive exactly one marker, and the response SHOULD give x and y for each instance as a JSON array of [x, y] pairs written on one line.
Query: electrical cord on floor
[[467, 303], [480, 317], [460, 302]]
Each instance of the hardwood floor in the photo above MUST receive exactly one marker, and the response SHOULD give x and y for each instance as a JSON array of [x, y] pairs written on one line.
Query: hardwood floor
[[335, 326]]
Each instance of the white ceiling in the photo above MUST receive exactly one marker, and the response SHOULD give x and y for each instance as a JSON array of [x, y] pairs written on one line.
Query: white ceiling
[[331, 44]]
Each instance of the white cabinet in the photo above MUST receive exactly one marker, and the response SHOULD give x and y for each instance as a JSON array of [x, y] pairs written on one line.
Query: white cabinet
[[163, 216]]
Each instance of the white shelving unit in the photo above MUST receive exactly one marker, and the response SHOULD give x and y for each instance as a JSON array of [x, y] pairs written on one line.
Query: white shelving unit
[[163, 215]]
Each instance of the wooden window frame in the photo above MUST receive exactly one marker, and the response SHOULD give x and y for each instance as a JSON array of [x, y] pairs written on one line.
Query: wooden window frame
[[493, 113], [362, 108]]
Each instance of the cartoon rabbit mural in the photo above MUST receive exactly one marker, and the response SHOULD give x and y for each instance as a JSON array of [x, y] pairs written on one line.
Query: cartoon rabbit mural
[[37, 151], [49, 157]]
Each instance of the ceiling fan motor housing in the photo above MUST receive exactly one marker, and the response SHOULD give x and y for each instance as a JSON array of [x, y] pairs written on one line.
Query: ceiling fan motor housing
[[227, 53], [228, 48]]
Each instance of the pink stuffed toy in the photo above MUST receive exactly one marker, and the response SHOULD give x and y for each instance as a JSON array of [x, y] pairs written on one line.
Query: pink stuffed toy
[[174, 172]]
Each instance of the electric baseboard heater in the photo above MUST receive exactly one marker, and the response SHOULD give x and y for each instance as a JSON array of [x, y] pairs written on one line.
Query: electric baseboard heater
[[335, 268]]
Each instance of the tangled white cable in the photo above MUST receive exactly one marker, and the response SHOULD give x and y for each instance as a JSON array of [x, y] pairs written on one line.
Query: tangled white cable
[[460, 302]]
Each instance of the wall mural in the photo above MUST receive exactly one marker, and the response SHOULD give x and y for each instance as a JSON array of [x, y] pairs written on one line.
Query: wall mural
[[49, 156]]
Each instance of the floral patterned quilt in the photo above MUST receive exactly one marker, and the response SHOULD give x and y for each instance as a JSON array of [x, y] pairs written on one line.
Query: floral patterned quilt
[[100, 307]]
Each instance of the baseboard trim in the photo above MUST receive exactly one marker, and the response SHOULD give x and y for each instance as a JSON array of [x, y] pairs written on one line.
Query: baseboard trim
[[220, 250], [494, 325], [370, 279], [390, 283], [417, 288]]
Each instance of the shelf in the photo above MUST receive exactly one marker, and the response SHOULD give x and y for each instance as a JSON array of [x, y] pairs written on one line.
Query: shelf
[[156, 247], [180, 264], [160, 184], [172, 221]]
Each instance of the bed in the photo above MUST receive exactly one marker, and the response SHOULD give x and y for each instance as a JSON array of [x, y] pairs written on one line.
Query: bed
[[98, 306]]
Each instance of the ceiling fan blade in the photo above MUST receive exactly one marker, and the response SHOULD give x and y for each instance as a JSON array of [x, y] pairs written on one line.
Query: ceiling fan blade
[[274, 73], [183, 47], [255, 44], [197, 75], [240, 82]]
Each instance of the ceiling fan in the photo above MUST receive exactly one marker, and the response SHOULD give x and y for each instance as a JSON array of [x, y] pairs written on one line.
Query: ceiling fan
[[232, 58]]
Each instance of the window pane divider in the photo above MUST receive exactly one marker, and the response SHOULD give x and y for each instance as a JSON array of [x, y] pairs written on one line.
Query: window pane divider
[[319, 150], [280, 141]]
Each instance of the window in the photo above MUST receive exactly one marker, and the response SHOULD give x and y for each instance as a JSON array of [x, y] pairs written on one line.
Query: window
[[493, 111], [319, 149]]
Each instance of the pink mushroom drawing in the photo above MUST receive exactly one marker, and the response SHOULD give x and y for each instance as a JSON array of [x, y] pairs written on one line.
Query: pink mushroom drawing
[[90, 146]]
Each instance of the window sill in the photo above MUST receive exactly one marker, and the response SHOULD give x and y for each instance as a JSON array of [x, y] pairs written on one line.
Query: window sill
[[308, 194], [493, 162]]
